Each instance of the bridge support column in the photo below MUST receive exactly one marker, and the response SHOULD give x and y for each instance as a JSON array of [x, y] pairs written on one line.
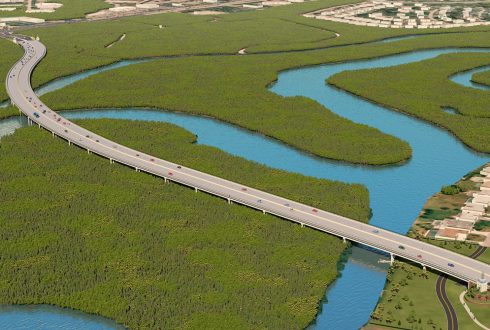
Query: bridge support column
[[88, 151], [424, 268], [69, 142], [344, 240], [392, 259], [302, 225], [111, 161], [196, 190], [229, 201], [165, 179], [52, 133]]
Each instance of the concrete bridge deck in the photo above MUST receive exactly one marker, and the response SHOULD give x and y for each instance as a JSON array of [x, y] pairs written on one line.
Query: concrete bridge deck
[[21, 94]]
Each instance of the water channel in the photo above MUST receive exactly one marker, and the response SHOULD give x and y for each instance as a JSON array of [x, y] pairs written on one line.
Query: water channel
[[397, 192]]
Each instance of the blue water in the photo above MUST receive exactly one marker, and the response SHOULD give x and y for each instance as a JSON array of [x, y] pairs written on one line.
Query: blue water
[[397, 192], [464, 78], [43, 317]]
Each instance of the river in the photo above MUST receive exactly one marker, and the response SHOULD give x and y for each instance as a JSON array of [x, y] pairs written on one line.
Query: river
[[397, 192]]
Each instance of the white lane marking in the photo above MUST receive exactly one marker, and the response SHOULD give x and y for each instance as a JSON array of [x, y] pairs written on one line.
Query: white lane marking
[[335, 222]]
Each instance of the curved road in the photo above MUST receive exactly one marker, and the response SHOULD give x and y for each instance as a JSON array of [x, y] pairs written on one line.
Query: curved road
[[452, 318], [21, 94]]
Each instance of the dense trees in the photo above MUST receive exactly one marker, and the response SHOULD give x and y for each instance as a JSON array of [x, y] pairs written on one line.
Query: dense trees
[[423, 89], [76, 231]]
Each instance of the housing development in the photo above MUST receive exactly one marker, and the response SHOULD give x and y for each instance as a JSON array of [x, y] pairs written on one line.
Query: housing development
[[244, 164], [409, 15]]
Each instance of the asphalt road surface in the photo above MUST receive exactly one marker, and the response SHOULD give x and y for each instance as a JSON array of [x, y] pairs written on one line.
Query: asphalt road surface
[[21, 94]]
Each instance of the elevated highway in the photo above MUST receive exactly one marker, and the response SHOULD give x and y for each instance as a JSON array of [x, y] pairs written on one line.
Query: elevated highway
[[21, 94]]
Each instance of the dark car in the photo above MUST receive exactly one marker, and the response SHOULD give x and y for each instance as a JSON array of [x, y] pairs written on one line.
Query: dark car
[[401, 247], [178, 166], [450, 265], [36, 115]]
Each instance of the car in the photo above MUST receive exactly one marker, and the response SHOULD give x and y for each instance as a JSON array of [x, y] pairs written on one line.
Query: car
[[137, 155], [314, 210], [419, 256], [44, 111], [36, 115], [87, 136], [244, 189], [375, 231], [287, 204], [401, 247], [59, 119], [259, 201], [152, 160], [178, 166], [170, 173], [97, 141], [66, 131], [450, 264]]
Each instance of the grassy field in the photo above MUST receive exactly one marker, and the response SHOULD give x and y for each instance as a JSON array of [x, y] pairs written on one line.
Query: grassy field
[[236, 83], [482, 77], [410, 302], [71, 9], [159, 255], [422, 89], [198, 86], [10, 54]]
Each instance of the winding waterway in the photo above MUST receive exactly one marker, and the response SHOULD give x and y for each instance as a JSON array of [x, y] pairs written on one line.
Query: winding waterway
[[397, 192]]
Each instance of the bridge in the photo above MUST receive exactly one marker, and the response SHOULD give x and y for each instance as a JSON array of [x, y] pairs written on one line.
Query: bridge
[[427, 255]]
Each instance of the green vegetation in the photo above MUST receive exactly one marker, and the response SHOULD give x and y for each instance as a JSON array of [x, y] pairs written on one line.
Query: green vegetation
[[159, 255], [240, 80], [200, 86], [10, 54], [451, 190], [482, 77], [409, 300], [422, 88], [439, 214], [71, 9], [482, 224]]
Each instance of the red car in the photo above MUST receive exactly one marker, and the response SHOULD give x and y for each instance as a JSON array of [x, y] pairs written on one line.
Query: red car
[[315, 210], [419, 256]]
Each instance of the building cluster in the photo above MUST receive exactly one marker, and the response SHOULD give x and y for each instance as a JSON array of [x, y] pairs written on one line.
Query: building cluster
[[397, 14], [475, 209], [198, 7]]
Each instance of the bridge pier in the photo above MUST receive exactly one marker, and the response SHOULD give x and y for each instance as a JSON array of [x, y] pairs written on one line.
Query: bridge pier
[[111, 161], [302, 225], [196, 190], [165, 179], [52, 133], [69, 142], [229, 201], [392, 259], [344, 240], [88, 151]]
